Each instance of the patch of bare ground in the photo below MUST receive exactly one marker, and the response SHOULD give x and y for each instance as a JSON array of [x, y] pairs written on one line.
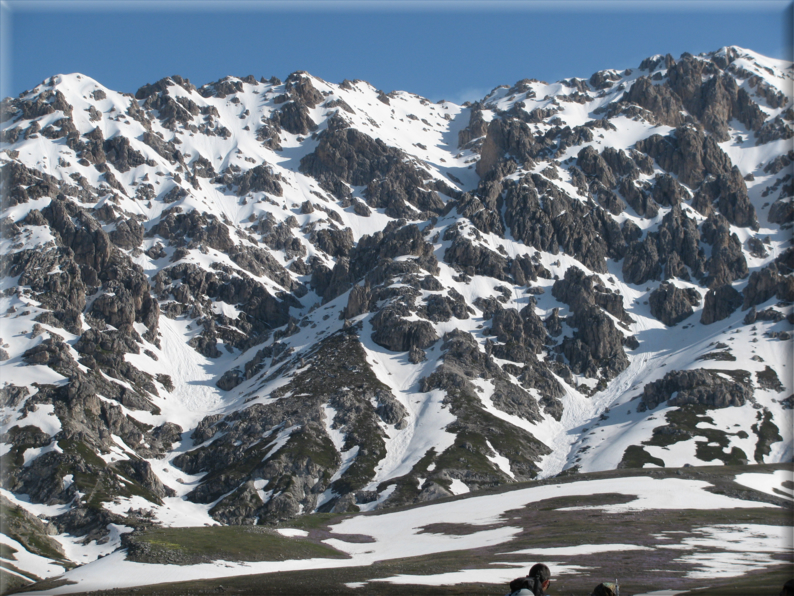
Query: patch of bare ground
[[545, 525]]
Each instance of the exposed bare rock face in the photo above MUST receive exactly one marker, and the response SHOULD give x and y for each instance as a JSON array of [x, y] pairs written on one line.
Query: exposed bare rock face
[[273, 299], [773, 281], [396, 334], [719, 304], [673, 250], [696, 387], [596, 347], [671, 305], [543, 216], [339, 379], [476, 129], [699, 162], [346, 156]]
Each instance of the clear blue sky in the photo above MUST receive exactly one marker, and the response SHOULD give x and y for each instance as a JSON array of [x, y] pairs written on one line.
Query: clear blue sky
[[450, 50]]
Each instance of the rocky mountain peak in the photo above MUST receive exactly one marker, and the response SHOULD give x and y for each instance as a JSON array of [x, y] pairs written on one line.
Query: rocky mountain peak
[[264, 298]]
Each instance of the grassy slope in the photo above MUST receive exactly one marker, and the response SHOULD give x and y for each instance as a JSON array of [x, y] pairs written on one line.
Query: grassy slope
[[544, 525], [187, 546]]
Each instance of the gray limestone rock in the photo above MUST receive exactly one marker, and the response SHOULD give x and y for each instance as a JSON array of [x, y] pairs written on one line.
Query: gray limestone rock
[[671, 304], [638, 199], [25, 184], [347, 156], [416, 356], [12, 396], [597, 345], [127, 235], [120, 153], [294, 117], [727, 262], [299, 86], [580, 290], [358, 301], [701, 387], [688, 153], [766, 284], [667, 191], [336, 243], [774, 130], [400, 335], [668, 252], [542, 216], [719, 304], [594, 166], [475, 259], [596, 348], [476, 128], [301, 470], [660, 100], [728, 193]]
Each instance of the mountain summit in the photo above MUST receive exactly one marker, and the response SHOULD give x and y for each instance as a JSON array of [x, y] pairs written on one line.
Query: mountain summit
[[256, 299]]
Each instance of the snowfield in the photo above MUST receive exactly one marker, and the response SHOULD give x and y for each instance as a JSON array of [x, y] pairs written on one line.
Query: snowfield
[[255, 300], [715, 552]]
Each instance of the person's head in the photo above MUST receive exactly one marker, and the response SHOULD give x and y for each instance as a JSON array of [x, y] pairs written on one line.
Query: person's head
[[788, 588], [604, 589], [542, 573]]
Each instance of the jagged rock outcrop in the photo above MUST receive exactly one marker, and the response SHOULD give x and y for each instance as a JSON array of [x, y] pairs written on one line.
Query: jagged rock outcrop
[[729, 193], [667, 191], [727, 262], [695, 89], [56, 281], [463, 361], [127, 235], [187, 288], [512, 137], [768, 283], [395, 333], [701, 387], [25, 184], [346, 156], [477, 127], [719, 304], [297, 460], [294, 117], [659, 100], [474, 259], [396, 240], [259, 179], [668, 252], [693, 157], [671, 304], [542, 216], [374, 300], [596, 347]]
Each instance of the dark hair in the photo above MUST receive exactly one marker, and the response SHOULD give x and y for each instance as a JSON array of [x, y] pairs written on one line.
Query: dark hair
[[788, 588], [604, 589], [540, 571]]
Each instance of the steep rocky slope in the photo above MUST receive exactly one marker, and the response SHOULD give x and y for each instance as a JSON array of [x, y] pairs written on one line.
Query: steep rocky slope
[[254, 299]]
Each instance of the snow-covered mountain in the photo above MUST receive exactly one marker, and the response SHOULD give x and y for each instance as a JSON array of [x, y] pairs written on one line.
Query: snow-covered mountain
[[253, 300]]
